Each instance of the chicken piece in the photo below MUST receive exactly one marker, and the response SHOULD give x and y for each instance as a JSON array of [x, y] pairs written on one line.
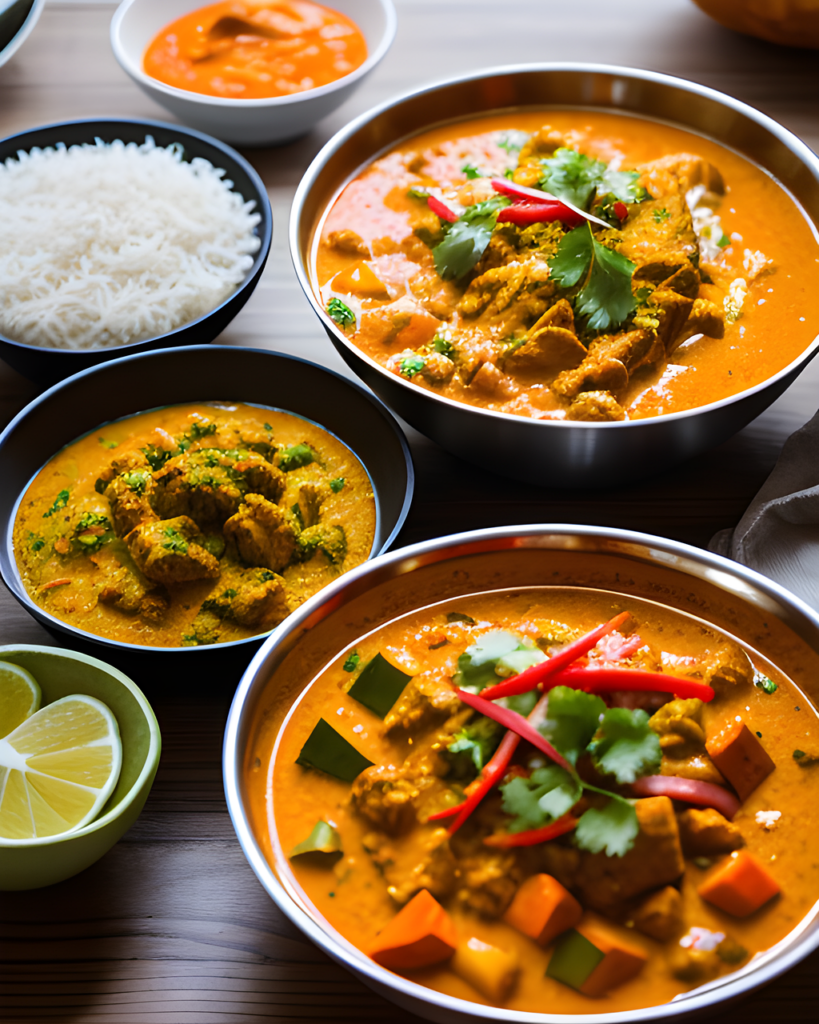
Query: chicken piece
[[546, 352], [671, 311], [596, 406], [682, 740], [330, 539], [348, 242], [124, 463], [262, 533], [422, 860], [170, 551], [132, 594], [495, 289], [605, 883], [488, 879], [426, 698], [392, 798], [129, 496], [251, 597], [659, 228], [706, 833], [677, 173], [600, 371], [706, 318], [728, 667], [660, 915], [438, 368], [663, 269], [210, 484], [311, 498], [492, 382]]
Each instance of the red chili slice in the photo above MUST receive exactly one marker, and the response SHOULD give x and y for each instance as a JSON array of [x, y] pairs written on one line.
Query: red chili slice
[[441, 209], [533, 836], [690, 791]]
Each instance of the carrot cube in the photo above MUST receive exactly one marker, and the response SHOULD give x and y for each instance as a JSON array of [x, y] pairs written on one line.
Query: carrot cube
[[490, 970], [421, 934], [358, 279], [543, 909], [622, 959], [739, 885], [740, 757]]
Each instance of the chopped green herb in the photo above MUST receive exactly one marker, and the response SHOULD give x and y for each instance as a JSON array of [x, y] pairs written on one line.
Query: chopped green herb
[[459, 617], [108, 444], [418, 193], [545, 796], [137, 480], [724, 241], [473, 745], [476, 666], [411, 365], [100, 485], [341, 313], [466, 240], [764, 683], [267, 427], [379, 685], [296, 510], [351, 664], [612, 828], [509, 174], [175, 542], [605, 296], [296, 456], [443, 346], [661, 215], [328, 751], [337, 484], [471, 171], [576, 178], [202, 636], [157, 457], [37, 543], [626, 746], [573, 718], [101, 532], [200, 430], [805, 760], [59, 502]]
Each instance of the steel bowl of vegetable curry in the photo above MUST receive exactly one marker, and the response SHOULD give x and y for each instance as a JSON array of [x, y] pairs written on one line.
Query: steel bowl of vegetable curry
[[539, 771], [217, 490], [577, 274]]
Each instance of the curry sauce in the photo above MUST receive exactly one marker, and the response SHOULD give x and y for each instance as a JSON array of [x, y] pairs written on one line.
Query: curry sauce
[[392, 842], [192, 524]]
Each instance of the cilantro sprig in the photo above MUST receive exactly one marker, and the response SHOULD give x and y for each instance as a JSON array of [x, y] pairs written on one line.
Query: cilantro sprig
[[620, 743], [578, 178], [605, 297], [466, 239]]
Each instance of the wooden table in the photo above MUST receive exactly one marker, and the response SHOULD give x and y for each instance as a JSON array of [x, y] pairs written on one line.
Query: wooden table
[[171, 926]]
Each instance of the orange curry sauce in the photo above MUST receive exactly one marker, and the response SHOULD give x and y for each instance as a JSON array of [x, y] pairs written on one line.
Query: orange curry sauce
[[251, 49]]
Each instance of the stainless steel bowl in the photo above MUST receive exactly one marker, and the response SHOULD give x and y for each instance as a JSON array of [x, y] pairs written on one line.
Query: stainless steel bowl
[[735, 599], [557, 453]]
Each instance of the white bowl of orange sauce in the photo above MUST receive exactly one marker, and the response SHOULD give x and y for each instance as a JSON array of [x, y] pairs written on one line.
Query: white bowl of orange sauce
[[251, 72]]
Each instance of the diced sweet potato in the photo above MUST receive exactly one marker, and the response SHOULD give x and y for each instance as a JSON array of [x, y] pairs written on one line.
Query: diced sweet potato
[[420, 935], [739, 885], [740, 757], [490, 970], [359, 279], [622, 958], [543, 909]]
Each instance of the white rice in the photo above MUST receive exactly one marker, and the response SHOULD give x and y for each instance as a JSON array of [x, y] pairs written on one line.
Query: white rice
[[105, 244]]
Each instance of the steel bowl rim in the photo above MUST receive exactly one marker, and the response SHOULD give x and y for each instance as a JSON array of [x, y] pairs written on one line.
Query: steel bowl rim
[[147, 770], [21, 594], [270, 102], [732, 987], [264, 228], [791, 141]]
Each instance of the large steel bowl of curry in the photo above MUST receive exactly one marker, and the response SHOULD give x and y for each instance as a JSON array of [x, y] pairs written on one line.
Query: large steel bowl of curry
[[565, 450], [77, 421], [703, 594]]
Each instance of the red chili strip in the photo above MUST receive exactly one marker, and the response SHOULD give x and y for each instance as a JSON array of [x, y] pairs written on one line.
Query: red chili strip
[[525, 213], [533, 836], [606, 680], [517, 723], [532, 677], [55, 583], [522, 192], [690, 791], [620, 210], [493, 771], [441, 209]]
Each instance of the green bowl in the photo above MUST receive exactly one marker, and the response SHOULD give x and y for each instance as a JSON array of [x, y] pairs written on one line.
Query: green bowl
[[61, 673]]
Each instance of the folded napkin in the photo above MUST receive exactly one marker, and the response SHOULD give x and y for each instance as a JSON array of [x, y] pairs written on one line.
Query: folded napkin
[[779, 534]]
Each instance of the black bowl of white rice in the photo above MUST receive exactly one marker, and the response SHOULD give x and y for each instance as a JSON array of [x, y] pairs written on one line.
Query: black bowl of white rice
[[121, 236]]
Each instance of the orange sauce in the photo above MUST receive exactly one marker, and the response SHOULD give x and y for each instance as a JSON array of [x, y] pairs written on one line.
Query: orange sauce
[[256, 49]]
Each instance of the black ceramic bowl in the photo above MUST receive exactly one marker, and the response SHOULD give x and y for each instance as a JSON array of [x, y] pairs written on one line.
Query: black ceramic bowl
[[122, 387], [47, 365]]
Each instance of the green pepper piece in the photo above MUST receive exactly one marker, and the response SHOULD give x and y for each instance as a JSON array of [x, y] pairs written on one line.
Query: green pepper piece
[[574, 958], [323, 839], [379, 685], [327, 751]]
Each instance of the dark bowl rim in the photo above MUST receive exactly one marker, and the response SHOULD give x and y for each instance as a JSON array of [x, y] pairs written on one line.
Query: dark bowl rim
[[788, 138], [264, 229], [82, 636], [714, 567]]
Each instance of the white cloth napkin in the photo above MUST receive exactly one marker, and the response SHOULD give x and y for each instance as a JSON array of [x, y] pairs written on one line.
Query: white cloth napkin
[[779, 534]]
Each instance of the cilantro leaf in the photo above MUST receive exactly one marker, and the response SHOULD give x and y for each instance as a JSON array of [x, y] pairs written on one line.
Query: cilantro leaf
[[411, 365], [606, 297], [476, 666], [478, 741], [59, 503], [523, 703], [471, 171], [571, 175], [626, 746], [612, 828], [544, 797], [622, 185], [467, 239], [573, 719], [341, 313]]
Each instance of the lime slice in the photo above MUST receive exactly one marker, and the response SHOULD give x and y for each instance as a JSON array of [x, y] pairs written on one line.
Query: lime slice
[[19, 696], [57, 769]]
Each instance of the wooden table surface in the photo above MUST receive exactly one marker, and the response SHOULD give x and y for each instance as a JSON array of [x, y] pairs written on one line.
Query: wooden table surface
[[171, 926]]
